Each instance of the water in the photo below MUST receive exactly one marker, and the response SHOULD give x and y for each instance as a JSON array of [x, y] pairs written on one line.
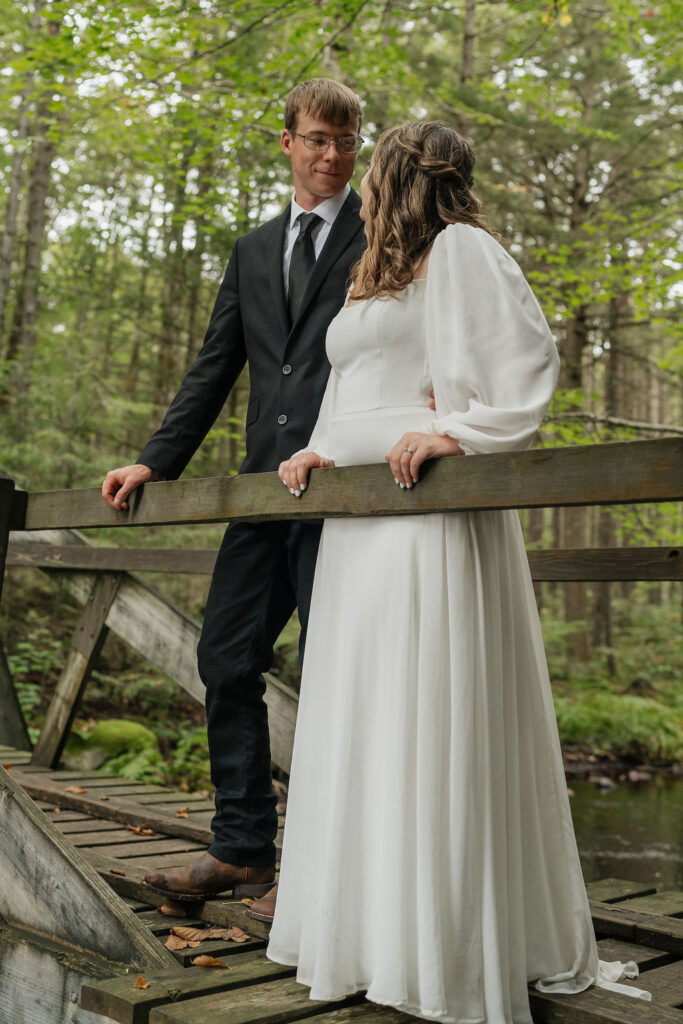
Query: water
[[634, 831]]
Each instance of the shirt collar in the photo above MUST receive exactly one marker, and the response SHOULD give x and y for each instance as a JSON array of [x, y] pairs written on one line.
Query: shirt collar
[[328, 210]]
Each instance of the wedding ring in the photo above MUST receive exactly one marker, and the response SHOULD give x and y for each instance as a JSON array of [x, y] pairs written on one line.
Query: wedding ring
[[409, 450]]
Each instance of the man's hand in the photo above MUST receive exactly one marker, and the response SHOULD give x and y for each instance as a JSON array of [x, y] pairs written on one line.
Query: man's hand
[[408, 454], [118, 483], [294, 472]]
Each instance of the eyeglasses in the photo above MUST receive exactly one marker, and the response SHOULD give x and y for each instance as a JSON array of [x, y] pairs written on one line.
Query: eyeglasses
[[317, 141]]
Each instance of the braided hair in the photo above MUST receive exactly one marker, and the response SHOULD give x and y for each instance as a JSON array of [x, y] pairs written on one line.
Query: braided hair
[[420, 179]]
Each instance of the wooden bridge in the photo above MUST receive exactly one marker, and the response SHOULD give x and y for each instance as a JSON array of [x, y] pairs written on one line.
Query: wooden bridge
[[77, 928]]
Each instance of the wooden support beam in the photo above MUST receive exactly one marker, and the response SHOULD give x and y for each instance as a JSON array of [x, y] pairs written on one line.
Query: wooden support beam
[[168, 638], [47, 887], [7, 508], [600, 474], [630, 563], [86, 644], [13, 731]]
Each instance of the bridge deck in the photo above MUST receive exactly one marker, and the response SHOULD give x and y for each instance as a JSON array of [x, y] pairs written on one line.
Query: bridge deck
[[98, 814]]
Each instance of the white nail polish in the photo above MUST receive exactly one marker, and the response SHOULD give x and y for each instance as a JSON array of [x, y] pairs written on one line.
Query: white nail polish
[[297, 494], [414, 479], [396, 479], [303, 487], [291, 490], [401, 486]]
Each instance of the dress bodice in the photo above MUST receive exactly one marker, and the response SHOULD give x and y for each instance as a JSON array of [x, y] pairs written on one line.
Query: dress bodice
[[380, 381], [377, 350]]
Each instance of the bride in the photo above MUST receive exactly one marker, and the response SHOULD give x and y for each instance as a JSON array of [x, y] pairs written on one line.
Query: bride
[[429, 856]]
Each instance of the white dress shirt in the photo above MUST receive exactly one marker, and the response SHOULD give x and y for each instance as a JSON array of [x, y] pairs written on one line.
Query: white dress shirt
[[327, 211]]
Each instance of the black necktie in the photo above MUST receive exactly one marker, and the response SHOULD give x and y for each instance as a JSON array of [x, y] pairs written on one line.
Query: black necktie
[[302, 262]]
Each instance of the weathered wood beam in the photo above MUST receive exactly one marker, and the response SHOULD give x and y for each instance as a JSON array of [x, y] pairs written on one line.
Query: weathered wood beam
[[168, 638], [601, 474], [7, 509], [631, 563], [79, 910], [13, 731], [590, 564], [86, 644]]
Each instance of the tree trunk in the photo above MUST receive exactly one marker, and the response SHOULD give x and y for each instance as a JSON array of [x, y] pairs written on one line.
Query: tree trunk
[[14, 183]]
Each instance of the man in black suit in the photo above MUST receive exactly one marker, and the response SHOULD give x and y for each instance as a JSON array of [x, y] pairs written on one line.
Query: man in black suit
[[284, 283]]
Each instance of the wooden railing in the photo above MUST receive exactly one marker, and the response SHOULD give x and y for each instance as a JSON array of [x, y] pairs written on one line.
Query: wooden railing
[[620, 473]]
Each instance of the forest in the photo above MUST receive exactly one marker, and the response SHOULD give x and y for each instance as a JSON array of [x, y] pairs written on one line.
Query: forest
[[140, 139]]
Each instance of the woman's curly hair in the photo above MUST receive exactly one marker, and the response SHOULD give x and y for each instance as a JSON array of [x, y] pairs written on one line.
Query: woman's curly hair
[[420, 179]]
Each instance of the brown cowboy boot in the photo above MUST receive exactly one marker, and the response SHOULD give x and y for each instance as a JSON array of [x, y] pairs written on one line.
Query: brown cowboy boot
[[263, 909], [207, 877]]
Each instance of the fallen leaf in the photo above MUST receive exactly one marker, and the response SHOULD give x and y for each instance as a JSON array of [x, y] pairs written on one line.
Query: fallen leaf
[[141, 983], [75, 789], [172, 909], [247, 901], [56, 810], [208, 961], [8, 767], [183, 812], [192, 935], [141, 830], [174, 942], [116, 871]]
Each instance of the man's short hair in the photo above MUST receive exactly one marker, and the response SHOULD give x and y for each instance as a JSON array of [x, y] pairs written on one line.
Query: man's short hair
[[324, 98]]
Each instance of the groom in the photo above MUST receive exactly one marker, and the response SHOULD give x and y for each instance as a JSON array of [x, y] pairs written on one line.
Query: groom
[[284, 283]]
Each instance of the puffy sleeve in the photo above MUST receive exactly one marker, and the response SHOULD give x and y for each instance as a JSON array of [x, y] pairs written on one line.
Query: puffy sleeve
[[319, 442], [493, 360]]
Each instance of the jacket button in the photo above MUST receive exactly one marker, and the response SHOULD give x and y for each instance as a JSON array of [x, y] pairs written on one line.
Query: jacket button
[[286, 369], [282, 419]]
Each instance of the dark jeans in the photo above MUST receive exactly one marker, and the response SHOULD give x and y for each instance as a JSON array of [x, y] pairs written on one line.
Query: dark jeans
[[263, 571]]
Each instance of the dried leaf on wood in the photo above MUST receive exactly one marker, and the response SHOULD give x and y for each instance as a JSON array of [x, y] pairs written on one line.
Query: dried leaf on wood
[[75, 789], [142, 983], [116, 871], [172, 909], [183, 812], [192, 935], [56, 810], [8, 767], [208, 961], [141, 830], [175, 942]]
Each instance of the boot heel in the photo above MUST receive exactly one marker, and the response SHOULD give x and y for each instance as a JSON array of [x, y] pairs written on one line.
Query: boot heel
[[252, 892]]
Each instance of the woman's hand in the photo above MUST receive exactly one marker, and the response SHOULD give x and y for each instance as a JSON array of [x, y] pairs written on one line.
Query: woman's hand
[[408, 454], [294, 472]]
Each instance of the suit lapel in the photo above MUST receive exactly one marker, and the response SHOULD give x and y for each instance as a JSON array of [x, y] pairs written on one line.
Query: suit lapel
[[346, 225], [276, 247]]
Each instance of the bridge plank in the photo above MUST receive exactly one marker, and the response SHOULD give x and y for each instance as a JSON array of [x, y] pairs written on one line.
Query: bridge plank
[[612, 890], [118, 999]]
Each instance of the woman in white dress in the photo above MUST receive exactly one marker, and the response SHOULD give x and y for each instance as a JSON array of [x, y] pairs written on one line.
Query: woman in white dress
[[429, 856]]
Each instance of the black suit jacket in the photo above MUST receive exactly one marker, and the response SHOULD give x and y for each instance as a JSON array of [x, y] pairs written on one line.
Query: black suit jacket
[[288, 368]]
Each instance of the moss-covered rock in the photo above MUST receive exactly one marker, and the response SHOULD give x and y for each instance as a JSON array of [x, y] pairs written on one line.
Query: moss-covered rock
[[117, 738]]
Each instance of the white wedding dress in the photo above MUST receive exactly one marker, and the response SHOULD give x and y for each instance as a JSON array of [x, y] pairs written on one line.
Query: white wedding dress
[[429, 856]]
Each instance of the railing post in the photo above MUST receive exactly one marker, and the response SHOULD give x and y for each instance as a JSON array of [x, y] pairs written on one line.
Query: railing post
[[86, 644], [13, 732]]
